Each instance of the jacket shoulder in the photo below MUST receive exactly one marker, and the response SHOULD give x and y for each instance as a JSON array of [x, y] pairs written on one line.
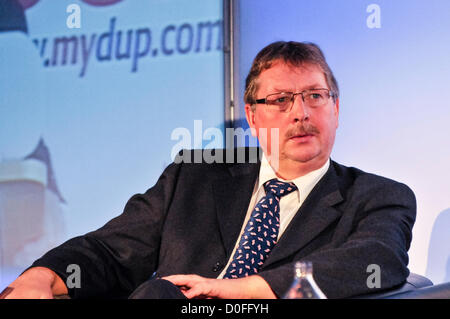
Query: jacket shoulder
[[361, 183]]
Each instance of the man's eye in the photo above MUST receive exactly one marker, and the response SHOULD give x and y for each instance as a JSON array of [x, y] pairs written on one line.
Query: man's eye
[[316, 96], [281, 100]]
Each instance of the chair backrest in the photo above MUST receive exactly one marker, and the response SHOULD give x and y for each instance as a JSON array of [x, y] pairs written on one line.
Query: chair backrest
[[438, 264]]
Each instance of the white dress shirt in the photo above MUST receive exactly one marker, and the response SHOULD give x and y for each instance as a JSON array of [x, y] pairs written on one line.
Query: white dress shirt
[[289, 204]]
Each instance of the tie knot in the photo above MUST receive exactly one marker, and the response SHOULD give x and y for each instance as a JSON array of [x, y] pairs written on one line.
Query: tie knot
[[278, 188]]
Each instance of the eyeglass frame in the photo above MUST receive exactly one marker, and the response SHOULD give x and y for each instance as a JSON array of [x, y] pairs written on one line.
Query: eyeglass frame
[[330, 93]]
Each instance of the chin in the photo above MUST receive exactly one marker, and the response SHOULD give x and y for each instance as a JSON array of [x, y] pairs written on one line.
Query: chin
[[301, 155]]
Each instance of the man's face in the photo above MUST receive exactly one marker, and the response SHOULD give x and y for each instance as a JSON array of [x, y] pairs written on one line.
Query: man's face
[[306, 135]]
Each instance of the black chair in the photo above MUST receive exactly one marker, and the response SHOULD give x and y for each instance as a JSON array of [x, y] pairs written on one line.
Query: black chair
[[441, 291], [413, 283]]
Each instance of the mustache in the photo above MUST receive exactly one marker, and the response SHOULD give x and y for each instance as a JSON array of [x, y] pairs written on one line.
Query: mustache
[[302, 129]]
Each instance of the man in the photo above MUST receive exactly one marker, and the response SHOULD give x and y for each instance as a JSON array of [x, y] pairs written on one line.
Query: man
[[235, 230]]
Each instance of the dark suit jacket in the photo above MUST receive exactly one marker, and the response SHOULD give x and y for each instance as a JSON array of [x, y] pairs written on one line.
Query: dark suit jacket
[[190, 221]]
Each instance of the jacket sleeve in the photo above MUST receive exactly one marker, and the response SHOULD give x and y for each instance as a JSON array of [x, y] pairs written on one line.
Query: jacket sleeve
[[380, 235], [116, 258]]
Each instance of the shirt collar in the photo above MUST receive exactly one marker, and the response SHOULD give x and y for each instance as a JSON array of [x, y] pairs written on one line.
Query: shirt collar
[[304, 183]]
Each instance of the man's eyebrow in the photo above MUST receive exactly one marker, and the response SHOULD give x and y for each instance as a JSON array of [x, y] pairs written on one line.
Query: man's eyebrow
[[309, 87], [315, 86], [281, 90]]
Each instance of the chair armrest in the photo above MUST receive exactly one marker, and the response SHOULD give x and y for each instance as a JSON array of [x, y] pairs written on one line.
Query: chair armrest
[[413, 282], [441, 291]]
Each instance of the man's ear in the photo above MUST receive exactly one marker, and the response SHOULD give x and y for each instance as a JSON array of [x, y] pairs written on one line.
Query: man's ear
[[250, 115]]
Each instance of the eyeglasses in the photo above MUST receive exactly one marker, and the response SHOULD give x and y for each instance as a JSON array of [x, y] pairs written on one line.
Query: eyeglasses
[[284, 101]]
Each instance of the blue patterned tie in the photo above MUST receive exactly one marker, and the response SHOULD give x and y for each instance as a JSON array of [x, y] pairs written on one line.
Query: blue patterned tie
[[261, 232]]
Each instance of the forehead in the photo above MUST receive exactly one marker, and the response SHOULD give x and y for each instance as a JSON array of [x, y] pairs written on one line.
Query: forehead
[[282, 76]]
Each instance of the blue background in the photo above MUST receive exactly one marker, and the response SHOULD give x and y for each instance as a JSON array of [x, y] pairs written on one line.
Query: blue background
[[109, 131], [395, 101]]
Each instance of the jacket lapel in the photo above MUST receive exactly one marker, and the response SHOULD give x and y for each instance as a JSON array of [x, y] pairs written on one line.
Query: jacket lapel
[[232, 196], [314, 216]]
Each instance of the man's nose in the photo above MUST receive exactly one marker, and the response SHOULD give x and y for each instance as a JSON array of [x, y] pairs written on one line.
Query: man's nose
[[300, 110]]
